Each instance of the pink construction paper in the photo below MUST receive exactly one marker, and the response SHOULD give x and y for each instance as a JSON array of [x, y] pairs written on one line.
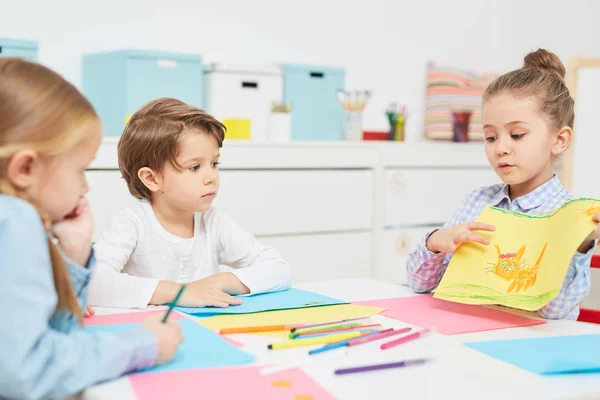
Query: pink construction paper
[[231, 341], [128, 318], [227, 384], [136, 318], [448, 317]]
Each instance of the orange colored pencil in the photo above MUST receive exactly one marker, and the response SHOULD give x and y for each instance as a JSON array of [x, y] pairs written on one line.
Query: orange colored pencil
[[254, 329]]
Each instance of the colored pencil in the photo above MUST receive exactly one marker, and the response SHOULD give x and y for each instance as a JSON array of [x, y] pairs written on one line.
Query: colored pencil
[[173, 303], [379, 336], [317, 340], [405, 339], [350, 328], [328, 323], [254, 329], [346, 342], [318, 334], [300, 331], [377, 367]]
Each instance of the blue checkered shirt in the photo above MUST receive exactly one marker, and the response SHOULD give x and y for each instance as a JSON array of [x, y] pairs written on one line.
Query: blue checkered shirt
[[425, 268]]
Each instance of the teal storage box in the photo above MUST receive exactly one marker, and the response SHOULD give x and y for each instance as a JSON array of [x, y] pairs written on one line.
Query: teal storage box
[[317, 114], [26, 49], [118, 83]]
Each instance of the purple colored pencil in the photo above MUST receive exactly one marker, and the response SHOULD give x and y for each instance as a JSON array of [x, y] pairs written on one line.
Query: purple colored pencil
[[377, 367]]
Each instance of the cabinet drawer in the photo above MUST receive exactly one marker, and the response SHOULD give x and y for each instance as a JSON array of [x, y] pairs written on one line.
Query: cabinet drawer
[[298, 201], [429, 196], [265, 202], [325, 256], [397, 245]]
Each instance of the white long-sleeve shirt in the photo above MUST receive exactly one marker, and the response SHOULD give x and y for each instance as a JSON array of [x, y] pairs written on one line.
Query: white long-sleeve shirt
[[137, 252]]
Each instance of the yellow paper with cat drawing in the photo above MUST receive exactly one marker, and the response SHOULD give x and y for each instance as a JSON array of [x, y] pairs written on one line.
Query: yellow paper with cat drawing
[[525, 264]]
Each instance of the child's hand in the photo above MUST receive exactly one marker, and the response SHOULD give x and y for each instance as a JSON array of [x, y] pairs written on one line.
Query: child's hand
[[89, 311], [596, 234], [74, 233], [447, 240], [168, 335], [210, 291], [587, 244]]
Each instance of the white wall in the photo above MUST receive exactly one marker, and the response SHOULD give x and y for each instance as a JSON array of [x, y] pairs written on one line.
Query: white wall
[[384, 44]]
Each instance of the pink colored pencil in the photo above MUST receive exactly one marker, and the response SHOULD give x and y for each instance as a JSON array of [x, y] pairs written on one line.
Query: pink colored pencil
[[381, 335], [405, 339]]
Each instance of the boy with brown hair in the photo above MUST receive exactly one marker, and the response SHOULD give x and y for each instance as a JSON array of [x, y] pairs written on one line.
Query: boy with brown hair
[[169, 158]]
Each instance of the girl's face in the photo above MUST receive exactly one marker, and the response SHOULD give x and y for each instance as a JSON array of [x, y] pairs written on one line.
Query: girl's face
[[520, 144], [57, 183]]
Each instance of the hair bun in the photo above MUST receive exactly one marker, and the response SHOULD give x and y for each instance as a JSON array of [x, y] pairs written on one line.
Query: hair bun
[[544, 61]]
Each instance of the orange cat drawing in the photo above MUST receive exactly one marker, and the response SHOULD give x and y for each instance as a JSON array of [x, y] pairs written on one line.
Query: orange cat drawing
[[512, 267]]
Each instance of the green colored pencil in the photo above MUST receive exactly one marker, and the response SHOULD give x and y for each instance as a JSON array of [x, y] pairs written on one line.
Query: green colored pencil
[[299, 331], [173, 304]]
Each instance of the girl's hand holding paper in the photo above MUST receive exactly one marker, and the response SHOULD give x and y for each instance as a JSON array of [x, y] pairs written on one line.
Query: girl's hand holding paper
[[448, 239]]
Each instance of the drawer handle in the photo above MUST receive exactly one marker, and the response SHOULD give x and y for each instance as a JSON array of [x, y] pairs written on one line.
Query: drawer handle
[[403, 244], [0, 49], [398, 182], [252, 85], [317, 75]]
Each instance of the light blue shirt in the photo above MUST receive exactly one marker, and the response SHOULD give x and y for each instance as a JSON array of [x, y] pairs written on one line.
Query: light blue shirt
[[42, 353], [425, 269]]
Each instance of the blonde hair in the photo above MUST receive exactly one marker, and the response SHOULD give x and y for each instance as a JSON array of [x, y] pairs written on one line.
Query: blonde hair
[[541, 76], [151, 136], [39, 110]]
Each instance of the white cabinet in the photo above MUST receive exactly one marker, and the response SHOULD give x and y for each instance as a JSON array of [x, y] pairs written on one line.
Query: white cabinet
[[397, 245], [286, 202], [325, 256], [334, 210], [265, 202], [421, 196]]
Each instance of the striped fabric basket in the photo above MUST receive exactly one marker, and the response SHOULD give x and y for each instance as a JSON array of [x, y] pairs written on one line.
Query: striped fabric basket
[[450, 89]]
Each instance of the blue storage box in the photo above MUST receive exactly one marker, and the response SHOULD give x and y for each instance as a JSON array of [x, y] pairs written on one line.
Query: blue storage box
[[317, 114], [26, 49], [118, 83]]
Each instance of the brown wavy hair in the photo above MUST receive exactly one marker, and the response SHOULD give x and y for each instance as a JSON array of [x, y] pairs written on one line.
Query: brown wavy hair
[[541, 76], [151, 136]]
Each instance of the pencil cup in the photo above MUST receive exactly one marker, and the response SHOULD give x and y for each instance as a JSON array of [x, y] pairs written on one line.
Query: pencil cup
[[460, 125], [353, 125], [279, 127]]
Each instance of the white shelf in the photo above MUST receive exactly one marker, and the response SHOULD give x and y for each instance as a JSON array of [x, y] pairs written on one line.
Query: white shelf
[[323, 155]]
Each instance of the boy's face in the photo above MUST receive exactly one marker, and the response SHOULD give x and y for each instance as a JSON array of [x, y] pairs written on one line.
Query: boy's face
[[519, 143], [194, 187]]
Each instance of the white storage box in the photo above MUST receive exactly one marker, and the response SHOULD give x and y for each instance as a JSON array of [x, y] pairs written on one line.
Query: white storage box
[[243, 92]]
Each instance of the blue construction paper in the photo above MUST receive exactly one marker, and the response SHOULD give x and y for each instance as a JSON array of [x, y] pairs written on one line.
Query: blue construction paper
[[201, 348], [548, 355], [287, 299]]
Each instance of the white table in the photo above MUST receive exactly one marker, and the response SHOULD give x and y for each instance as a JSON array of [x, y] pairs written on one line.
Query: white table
[[456, 371]]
